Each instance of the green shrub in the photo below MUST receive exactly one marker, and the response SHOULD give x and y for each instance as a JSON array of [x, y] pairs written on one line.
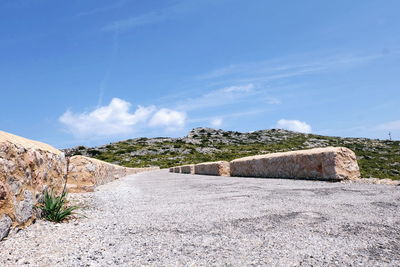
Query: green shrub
[[55, 208]]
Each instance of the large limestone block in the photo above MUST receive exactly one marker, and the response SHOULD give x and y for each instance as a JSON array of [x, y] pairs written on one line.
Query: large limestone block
[[27, 143], [86, 173], [218, 168], [188, 169], [329, 163], [27, 168]]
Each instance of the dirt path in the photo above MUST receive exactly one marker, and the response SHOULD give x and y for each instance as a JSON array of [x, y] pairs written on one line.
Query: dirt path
[[159, 218]]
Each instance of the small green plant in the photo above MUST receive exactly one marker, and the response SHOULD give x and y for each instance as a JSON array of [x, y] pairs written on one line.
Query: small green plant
[[55, 208]]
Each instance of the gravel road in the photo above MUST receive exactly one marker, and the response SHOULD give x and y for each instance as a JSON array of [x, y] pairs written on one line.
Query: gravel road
[[164, 219]]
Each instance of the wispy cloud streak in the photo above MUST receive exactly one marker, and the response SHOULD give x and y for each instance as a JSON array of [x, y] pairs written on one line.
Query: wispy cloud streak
[[171, 12], [116, 5], [285, 67], [218, 97]]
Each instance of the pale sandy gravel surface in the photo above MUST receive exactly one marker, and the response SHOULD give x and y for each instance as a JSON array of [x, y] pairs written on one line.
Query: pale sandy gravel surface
[[164, 219]]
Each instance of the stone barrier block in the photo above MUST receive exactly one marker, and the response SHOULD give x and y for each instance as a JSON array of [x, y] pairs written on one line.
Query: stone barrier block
[[27, 169], [329, 163], [188, 169], [218, 168], [87, 173]]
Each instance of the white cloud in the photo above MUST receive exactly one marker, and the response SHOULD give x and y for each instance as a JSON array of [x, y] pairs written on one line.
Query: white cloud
[[294, 125], [168, 118], [115, 119], [216, 122], [110, 120]]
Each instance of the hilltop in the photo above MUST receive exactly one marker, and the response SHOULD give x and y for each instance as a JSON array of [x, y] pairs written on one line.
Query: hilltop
[[376, 158]]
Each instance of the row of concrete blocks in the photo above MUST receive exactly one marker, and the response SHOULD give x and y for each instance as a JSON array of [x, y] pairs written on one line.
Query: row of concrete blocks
[[329, 163]]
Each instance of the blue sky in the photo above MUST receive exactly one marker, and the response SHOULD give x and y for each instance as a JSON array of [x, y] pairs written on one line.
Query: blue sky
[[94, 71]]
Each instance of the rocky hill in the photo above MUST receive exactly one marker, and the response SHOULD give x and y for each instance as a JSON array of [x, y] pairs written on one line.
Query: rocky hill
[[377, 158]]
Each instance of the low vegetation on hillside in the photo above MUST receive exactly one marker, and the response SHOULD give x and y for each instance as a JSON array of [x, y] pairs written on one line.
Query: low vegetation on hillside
[[377, 158]]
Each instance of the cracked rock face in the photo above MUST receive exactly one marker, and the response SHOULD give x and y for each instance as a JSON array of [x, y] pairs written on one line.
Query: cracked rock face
[[15, 185], [3, 191], [329, 163], [26, 168]]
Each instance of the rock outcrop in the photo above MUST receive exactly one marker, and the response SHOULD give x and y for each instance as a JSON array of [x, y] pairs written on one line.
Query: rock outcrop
[[188, 169], [84, 173], [218, 168], [377, 158], [27, 168], [330, 163]]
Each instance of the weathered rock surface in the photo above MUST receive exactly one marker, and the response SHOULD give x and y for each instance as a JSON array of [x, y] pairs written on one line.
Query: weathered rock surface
[[5, 224], [84, 173], [218, 168], [27, 168], [330, 163], [188, 169]]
